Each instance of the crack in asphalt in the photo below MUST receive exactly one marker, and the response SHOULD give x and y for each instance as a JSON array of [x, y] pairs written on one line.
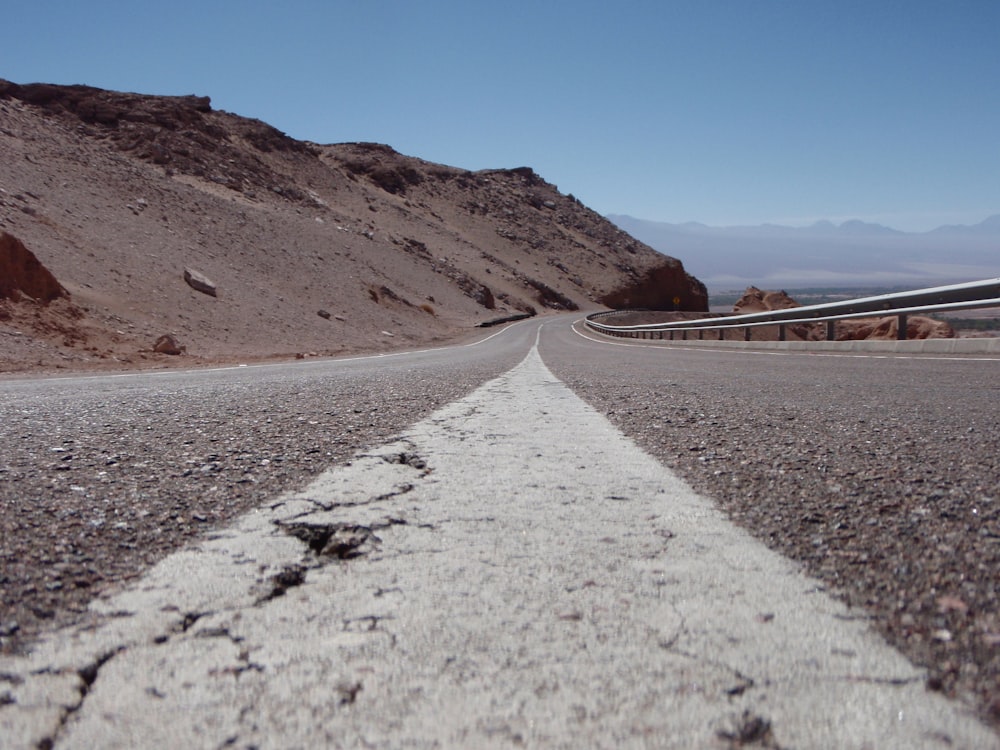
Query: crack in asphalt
[[328, 506], [749, 729], [326, 541], [288, 577], [343, 541], [87, 675]]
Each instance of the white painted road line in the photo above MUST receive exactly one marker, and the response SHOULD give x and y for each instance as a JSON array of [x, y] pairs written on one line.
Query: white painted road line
[[512, 571]]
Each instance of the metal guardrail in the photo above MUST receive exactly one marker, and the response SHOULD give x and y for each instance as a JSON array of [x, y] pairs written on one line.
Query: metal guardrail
[[968, 296]]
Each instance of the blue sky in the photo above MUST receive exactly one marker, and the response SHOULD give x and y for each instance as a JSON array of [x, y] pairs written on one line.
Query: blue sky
[[719, 111]]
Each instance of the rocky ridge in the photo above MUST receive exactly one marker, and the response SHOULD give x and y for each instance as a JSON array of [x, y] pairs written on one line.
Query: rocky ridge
[[314, 249]]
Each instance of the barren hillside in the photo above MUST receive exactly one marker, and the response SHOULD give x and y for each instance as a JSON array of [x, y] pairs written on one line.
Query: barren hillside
[[313, 249]]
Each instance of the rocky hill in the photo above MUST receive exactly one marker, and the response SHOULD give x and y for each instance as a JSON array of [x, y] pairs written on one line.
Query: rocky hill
[[160, 216]]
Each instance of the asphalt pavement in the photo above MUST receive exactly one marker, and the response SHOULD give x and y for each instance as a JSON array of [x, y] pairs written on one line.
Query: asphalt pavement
[[511, 571]]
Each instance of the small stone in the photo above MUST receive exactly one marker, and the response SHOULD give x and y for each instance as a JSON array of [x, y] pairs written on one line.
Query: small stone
[[951, 604], [200, 283]]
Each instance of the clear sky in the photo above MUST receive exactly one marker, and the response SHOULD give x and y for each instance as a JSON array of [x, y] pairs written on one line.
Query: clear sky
[[719, 111]]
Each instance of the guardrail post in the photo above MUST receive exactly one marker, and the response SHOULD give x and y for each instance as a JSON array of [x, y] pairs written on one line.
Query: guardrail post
[[901, 328], [684, 335], [781, 332], [830, 333], [701, 334], [746, 333], [722, 334]]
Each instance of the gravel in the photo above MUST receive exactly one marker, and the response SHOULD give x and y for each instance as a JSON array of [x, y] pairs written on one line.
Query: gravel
[[880, 475], [101, 478]]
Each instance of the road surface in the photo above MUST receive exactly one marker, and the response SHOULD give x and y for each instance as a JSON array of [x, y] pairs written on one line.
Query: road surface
[[508, 570]]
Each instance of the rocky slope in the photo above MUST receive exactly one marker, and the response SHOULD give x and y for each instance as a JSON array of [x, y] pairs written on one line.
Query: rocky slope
[[311, 248]]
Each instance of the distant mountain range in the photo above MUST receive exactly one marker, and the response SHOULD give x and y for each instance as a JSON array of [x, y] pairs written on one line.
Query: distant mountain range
[[854, 253]]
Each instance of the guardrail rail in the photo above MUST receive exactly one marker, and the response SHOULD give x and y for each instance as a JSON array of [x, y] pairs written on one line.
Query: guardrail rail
[[967, 296]]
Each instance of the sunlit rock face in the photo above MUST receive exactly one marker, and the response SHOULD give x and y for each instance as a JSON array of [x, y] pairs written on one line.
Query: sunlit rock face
[[665, 287]]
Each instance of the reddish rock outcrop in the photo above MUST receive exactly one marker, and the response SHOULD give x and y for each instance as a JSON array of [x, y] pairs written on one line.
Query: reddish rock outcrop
[[167, 344], [22, 274], [664, 287], [757, 300], [181, 133], [917, 327], [858, 329]]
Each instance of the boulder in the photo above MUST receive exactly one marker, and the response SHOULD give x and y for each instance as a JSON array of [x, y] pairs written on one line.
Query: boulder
[[484, 296], [22, 274], [167, 344], [757, 300], [200, 282]]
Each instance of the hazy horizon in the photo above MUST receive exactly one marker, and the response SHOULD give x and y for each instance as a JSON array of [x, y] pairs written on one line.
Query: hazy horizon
[[838, 222], [846, 255]]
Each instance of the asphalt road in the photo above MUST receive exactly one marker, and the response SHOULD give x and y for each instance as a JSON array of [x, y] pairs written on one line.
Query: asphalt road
[[102, 476], [478, 501], [880, 473]]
